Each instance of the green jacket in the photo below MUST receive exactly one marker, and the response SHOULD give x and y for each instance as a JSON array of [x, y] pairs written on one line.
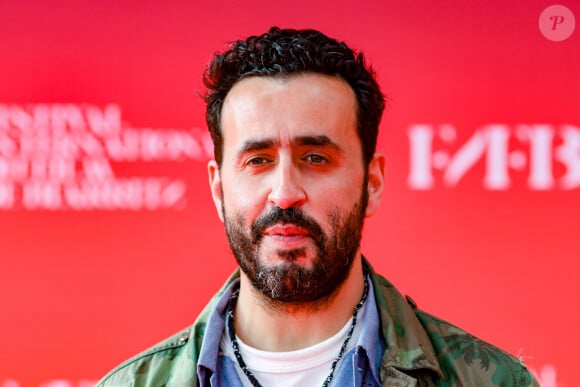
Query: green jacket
[[422, 350]]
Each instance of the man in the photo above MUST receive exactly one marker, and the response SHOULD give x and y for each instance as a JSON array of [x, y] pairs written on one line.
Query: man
[[294, 118]]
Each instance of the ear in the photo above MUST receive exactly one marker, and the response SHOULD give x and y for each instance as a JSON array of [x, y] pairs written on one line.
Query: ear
[[376, 181], [215, 185]]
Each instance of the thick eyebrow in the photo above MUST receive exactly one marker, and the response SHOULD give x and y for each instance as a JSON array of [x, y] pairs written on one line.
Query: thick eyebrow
[[257, 145], [321, 141]]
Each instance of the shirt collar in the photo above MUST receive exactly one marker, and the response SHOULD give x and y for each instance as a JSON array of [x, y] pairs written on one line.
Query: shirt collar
[[210, 347], [370, 340]]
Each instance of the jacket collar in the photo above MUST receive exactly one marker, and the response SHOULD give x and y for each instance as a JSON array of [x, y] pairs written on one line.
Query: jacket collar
[[408, 347]]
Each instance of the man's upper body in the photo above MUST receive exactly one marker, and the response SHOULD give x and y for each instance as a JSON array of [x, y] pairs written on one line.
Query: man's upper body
[[294, 117], [400, 346]]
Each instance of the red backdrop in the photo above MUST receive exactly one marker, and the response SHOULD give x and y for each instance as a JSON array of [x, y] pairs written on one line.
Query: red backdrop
[[108, 238]]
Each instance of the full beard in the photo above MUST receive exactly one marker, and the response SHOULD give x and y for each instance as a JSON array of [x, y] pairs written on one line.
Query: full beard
[[291, 282]]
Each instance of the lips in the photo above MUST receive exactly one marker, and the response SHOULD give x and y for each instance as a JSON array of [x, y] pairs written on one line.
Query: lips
[[287, 236], [287, 230]]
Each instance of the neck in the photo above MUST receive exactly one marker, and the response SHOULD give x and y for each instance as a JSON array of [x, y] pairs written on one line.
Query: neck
[[287, 327]]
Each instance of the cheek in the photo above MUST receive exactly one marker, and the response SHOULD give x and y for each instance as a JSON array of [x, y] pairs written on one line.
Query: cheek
[[333, 201], [240, 199], [336, 196], [339, 191]]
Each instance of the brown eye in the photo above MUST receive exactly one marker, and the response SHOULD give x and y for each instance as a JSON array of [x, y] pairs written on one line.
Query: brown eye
[[316, 159], [257, 161]]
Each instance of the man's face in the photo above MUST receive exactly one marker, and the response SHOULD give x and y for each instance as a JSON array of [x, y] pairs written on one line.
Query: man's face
[[292, 188]]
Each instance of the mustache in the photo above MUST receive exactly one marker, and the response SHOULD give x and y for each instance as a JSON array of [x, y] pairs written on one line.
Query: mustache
[[294, 216]]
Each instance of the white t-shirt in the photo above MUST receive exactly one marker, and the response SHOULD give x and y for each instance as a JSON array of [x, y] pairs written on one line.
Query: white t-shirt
[[305, 367]]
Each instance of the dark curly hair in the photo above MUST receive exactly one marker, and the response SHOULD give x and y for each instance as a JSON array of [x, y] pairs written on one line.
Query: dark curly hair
[[282, 52]]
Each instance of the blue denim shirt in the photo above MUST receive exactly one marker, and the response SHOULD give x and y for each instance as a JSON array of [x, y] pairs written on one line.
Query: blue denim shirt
[[359, 367]]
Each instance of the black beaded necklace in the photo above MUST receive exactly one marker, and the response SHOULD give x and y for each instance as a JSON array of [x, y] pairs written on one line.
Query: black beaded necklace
[[240, 359]]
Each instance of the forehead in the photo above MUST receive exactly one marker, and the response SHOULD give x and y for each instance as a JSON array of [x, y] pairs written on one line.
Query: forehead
[[281, 109]]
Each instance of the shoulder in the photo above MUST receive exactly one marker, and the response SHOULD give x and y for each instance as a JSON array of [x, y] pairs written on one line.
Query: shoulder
[[159, 360], [171, 362], [463, 356], [456, 356]]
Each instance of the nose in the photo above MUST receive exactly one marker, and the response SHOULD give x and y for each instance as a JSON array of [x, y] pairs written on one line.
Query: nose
[[287, 190]]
